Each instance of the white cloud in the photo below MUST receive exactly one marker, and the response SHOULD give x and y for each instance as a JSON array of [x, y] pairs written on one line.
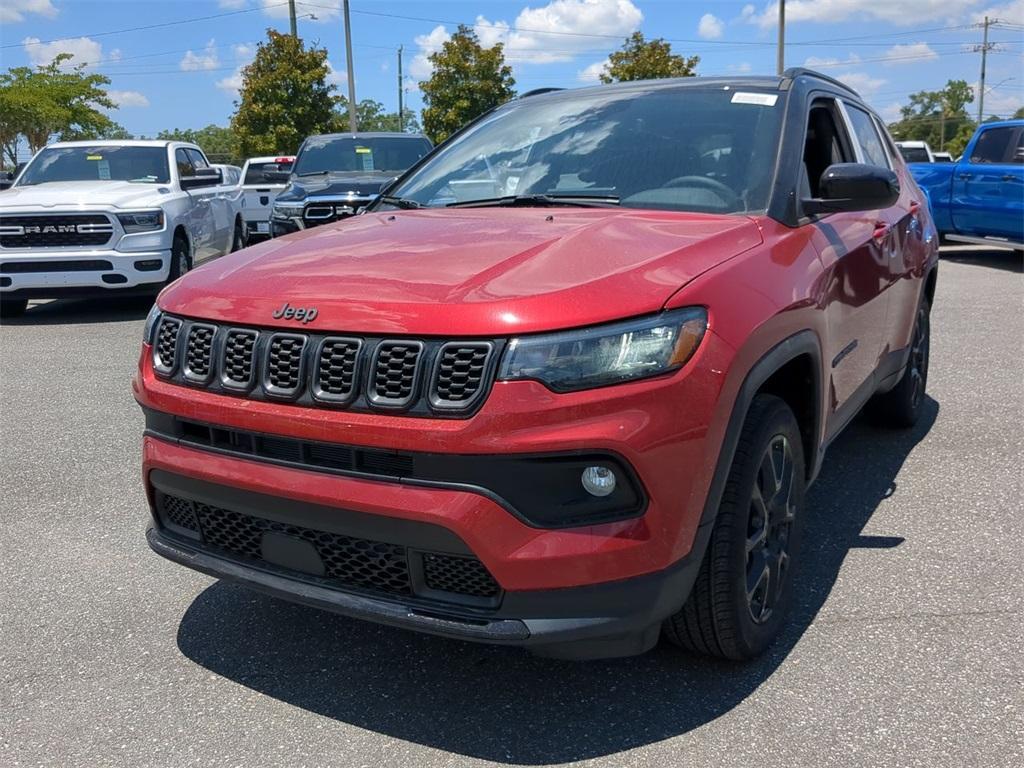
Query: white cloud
[[206, 59], [710, 27], [1012, 12], [538, 35], [84, 50], [818, 62], [905, 12], [592, 74], [890, 113], [910, 53], [862, 82], [233, 5], [128, 99], [336, 77], [15, 10], [740, 69], [244, 52], [324, 10]]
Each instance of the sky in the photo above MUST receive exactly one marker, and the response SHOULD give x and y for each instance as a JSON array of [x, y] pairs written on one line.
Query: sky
[[177, 63]]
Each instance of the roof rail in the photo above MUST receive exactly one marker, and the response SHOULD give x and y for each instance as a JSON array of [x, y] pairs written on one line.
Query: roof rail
[[794, 72], [538, 92]]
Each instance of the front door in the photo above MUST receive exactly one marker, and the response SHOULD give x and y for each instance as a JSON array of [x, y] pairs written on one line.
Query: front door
[[988, 191]]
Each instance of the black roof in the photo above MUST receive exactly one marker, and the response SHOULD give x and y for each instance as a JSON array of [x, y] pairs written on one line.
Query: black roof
[[370, 135]]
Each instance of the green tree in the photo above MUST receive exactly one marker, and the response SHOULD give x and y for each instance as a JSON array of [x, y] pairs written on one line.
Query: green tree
[[218, 143], [640, 59], [285, 97], [468, 80], [50, 101], [938, 117], [1019, 114], [370, 116]]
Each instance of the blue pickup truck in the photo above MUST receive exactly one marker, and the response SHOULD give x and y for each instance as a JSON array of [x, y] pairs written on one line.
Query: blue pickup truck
[[980, 198]]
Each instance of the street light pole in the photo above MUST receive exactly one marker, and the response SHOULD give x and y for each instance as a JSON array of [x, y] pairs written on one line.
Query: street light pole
[[401, 110], [351, 72], [291, 17], [981, 84], [780, 61]]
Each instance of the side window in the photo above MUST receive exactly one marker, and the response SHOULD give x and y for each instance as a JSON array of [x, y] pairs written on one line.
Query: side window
[[867, 136], [185, 169], [890, 145], [1018, 152], [825, 145], [197, 158], [994, 145]]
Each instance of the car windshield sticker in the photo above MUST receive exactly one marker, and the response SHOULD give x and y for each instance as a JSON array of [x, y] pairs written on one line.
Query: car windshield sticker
[[94, 157], [103, 166], [764, 99], [367, 154]]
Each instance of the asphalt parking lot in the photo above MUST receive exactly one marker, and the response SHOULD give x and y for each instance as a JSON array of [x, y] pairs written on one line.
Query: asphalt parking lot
[[905, 648]]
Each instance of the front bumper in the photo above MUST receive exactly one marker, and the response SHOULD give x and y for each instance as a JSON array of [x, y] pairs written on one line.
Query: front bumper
[[619, 618], [50, 274]]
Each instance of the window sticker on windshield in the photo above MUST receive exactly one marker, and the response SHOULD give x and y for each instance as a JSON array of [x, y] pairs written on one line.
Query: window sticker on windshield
[[363, 150], [367, 156], [762, 99], [94, 157], [104, 170]]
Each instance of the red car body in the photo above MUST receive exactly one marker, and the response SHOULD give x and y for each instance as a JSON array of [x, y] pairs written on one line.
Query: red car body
[[839, 295]]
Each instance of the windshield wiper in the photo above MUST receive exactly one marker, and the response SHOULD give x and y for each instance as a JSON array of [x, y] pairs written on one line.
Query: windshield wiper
[[313, 173], [400, 202], [584, 201]]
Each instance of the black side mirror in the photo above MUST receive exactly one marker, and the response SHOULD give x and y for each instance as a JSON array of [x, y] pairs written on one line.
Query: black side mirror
[[277, 177], [854, 187], [205, 177]]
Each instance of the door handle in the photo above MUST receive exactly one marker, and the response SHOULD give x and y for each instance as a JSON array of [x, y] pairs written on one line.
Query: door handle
[[1008, 177], [915, 207], [964, 176], [881, 229]]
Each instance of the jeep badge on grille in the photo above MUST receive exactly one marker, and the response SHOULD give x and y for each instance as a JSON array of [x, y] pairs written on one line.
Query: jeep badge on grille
[[288, 312]]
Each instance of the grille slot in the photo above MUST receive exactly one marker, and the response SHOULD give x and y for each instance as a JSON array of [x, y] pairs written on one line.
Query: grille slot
[[238, 369], [179, 512], [336, 368], [461, 575], [165, 349], [81, 265], [72, 229], [460, 374], [393, 378], [284, 367], [198, 363]]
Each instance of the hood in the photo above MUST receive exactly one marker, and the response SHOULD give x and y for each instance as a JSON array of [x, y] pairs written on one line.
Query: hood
[[358, 184], [87, 194], [466, 272]]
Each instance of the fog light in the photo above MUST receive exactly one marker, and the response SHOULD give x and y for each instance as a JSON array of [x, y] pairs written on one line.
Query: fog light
[[598, 481]]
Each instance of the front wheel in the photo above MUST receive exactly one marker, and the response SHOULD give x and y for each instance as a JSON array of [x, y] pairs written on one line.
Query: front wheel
[[181, 261], [238, 239], [744, 587]]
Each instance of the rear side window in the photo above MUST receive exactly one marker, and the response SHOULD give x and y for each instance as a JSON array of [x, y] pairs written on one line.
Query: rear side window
[[867, 137], [254, 173], [197, 158], [995, 145], [185, 169]]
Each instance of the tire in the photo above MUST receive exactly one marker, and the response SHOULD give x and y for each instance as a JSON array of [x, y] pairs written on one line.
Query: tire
[[13, 307], [751, 543], [901, 406], [181, 261], [238, 239]]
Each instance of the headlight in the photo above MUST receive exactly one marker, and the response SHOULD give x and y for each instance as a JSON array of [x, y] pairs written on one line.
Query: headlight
[[151, 322], [607, 354], [144, 221], [286, 211]]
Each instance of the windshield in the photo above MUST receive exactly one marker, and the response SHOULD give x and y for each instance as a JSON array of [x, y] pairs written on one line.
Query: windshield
[[914, 154], [686, 148], [254, 171], [345, 154], [100, 163]]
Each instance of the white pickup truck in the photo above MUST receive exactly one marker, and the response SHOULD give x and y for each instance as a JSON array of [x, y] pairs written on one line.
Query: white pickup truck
[[103, 217], [260, 192]]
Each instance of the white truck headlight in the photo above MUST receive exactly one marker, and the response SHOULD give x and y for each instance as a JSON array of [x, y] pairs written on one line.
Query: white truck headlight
[[286, 211], [606, 354], [141, 221]]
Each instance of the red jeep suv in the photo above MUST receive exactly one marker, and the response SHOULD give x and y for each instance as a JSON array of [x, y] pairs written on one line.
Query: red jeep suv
[[565, 384]]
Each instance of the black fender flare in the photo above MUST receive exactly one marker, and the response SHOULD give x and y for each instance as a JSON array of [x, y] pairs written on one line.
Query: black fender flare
[[804, 342]]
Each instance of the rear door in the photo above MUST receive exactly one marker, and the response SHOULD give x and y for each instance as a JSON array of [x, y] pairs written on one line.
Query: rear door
[[218, 209], [853, 250], [199, 219], [988, 186]]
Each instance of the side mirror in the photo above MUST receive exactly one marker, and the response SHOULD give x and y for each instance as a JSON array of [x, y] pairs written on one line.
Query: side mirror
[[854, 187], [205, 177], [9, 175], [277, 177]]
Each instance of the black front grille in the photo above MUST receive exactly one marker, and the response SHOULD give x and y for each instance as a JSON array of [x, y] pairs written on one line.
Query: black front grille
[[82, 265], [428, 377], [55, 230], [166, 346], [348, 561], [461, 575], [284, 363], [199, 352], [394, 372], [239, 355]]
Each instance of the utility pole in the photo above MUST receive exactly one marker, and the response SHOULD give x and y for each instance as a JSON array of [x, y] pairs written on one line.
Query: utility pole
[[981, 84], [351, 72], [291, 17], [780, 61], [401, 110]]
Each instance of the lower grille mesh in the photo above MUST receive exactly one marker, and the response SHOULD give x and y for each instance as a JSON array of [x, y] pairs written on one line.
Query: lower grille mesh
[[348, 561]]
